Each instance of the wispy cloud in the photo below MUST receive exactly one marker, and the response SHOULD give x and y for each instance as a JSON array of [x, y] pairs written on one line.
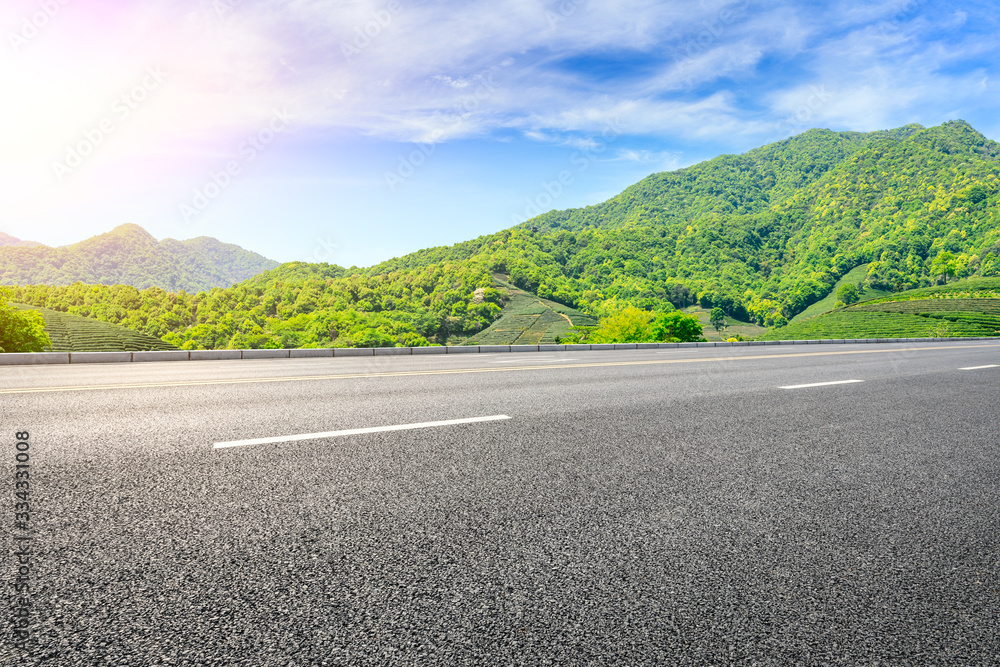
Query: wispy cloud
[[400, 70]]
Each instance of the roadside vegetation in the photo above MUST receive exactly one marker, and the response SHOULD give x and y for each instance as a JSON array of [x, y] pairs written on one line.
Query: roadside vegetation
[[72, 333], [629, 324], [964, 308], [296, 305], [20, 331], [530, 320], [729, 328]]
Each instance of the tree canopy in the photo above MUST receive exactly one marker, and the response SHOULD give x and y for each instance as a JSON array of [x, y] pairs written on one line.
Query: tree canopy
[[21, 331]]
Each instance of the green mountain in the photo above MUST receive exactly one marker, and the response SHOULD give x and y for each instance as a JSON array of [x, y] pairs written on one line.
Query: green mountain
[[765, 234], [129, 255], [8, 240], [762, 235]]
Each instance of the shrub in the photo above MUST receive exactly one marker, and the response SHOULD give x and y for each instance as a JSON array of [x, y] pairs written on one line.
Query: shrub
[[21, 331]]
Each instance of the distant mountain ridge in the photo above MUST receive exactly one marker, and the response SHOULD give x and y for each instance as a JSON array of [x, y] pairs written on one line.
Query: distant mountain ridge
[[129, 255], [6, 240]]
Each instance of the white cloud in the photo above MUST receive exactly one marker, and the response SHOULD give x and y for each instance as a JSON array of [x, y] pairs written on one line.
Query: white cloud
[[662, 160], [958, 19], [437, 71], [873, 78]]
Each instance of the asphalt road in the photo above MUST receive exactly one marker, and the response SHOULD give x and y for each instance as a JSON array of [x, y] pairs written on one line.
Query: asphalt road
[[637, 507]]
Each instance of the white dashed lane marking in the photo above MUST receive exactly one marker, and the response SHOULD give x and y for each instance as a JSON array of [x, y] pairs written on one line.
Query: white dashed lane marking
[[819, 384], [355, 431]]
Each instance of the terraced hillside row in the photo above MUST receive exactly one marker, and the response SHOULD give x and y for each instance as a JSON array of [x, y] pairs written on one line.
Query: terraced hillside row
[[963, 308], [530, 320], [733, 327], [855, 276], [879, 324], [974, 288], [72, 333]]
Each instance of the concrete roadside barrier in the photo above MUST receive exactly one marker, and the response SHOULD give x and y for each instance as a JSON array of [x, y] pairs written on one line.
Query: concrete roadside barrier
[[353, 352], [432, 349], [99, 357], [265, 354], [310, 352], [380, 351], [29, 358], [215, 355], [162, 355]]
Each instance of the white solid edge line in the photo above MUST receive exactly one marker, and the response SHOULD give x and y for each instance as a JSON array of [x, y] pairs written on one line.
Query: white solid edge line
[[355, 431], [540, 361], [819, 384], [976, 368]]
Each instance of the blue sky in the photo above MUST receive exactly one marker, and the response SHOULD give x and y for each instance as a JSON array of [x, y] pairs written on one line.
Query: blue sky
[[352, 132]]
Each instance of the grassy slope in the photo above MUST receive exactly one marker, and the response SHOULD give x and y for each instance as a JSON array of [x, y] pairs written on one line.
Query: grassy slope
[[853, 277], [733, 328], [963, 308], [72, 333], [529, 320], [975, 288]]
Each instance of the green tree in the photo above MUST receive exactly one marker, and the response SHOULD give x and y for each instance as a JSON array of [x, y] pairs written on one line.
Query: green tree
[[628, 325], [21, 331], [944, 265], [717, 318], [676, 327], [848, 294]]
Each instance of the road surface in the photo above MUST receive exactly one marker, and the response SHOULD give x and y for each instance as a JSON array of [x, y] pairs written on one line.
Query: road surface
[[829, 504]]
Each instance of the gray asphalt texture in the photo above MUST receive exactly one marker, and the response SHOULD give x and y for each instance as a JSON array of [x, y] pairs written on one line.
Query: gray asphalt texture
[[686, 513]]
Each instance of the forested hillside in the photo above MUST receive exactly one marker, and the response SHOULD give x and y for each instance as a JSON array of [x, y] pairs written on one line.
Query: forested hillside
[[128, 255], [72, 333], [296, 305], [765, 234], [762, 235]]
